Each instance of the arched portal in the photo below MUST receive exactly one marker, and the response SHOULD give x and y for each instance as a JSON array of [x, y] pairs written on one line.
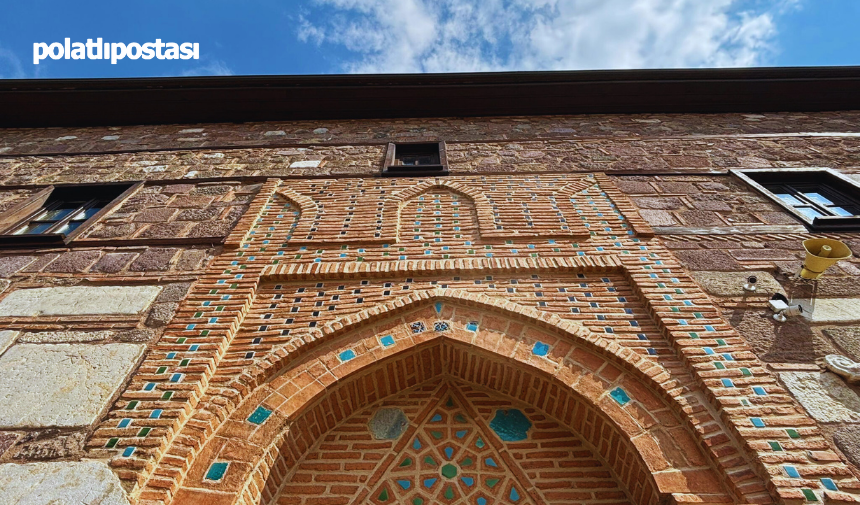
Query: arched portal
[[594, 394], [446, 441]]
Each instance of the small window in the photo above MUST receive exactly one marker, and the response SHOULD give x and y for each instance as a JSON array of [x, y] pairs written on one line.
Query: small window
[[57, 214], [823, 198], [415, 160]]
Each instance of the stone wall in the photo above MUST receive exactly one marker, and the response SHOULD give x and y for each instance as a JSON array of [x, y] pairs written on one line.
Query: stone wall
[[279, 291]]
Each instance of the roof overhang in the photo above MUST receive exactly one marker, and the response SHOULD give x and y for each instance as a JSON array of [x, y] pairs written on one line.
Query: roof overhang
[[185, 100]]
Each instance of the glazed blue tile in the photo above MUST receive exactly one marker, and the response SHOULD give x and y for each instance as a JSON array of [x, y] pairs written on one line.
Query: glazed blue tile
[[540, 349], [829, 484], [472, 326], [510, 425], [620, 396], [346, 355], [791, 471], [128, 452], [757, 422], [259, 415], [387, 341], [708, 350], [403, 483], [176, 377], [759, 391], [438, 306], [727, 383], [217, 471], [124, 423], [156, 414]]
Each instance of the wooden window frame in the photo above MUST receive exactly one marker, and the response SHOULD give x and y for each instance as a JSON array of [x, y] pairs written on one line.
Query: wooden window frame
[[26, 211], [390, 169], [825, 177]]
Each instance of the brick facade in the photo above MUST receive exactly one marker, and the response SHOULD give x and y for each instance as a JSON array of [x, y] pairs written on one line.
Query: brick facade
[[566, 304]]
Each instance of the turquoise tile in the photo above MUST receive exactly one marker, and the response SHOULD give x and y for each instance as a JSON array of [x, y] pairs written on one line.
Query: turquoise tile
[[259, 415], [620, 396], [346, 355], [217, 471]]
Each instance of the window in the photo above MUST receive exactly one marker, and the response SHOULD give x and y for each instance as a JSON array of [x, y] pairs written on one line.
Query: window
[[823, 198], [58, 214], [415, 160]]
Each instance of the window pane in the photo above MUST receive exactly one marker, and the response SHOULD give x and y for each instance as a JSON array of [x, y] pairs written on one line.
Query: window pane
[[818, 198], [787, 198], [69, 227], [839, 211], [56, 214], [809, 212], [33, 228], [86, 214]]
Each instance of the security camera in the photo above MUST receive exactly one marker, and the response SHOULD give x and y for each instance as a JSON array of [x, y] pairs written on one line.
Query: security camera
[[791, 310], [750, 285]]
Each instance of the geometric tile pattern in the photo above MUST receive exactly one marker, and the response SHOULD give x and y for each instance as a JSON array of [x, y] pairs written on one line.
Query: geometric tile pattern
[[451, 454]]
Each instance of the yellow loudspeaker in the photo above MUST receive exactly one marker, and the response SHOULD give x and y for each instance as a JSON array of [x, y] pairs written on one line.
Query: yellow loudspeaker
[[820, 254]]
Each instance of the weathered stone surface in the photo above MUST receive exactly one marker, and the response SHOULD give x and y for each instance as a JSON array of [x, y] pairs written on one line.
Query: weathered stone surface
[[836, 310], [173, 292], [153, 259], [161, 314], [49, 444], [825, 396], [135, 335], [11, 264], [45, 385], [707, 260], [6, 339], [78, 300], [731, 283], [789, 342], [847, 338], [388, 424], [113, 262], [56, 337], [61, 483], [847, 438], [73, 262], [658, 217]]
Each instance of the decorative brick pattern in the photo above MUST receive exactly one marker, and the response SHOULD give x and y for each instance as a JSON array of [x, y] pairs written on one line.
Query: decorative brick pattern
[[243, 384]]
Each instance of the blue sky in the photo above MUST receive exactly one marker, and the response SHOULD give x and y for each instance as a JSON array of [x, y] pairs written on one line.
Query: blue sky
[[377, 36]]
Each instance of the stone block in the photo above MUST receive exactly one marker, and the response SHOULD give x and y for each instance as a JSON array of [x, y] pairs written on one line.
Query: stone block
[[11, 264], [847, 438], [790, 342], [6, 339], [658, 217], [305, 164], [61, 483], [848, 338], [78, 300], [833, 310], [659, 203], [113, 262], [707, 260], [825, 396], [701, 218], [61, 385], [73, 262], [57, 337], [731, 283], [153, 259]]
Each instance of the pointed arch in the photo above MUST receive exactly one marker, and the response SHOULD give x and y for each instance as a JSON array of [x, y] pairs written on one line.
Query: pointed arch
[[597, 373], [397, 201]]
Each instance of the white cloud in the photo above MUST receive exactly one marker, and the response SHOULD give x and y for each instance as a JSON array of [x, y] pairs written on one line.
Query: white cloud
[[10, 65], [216, 67], [482, 35]]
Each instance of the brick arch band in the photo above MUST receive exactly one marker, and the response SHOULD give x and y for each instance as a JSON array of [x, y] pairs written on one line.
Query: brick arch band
[[592, 386]]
